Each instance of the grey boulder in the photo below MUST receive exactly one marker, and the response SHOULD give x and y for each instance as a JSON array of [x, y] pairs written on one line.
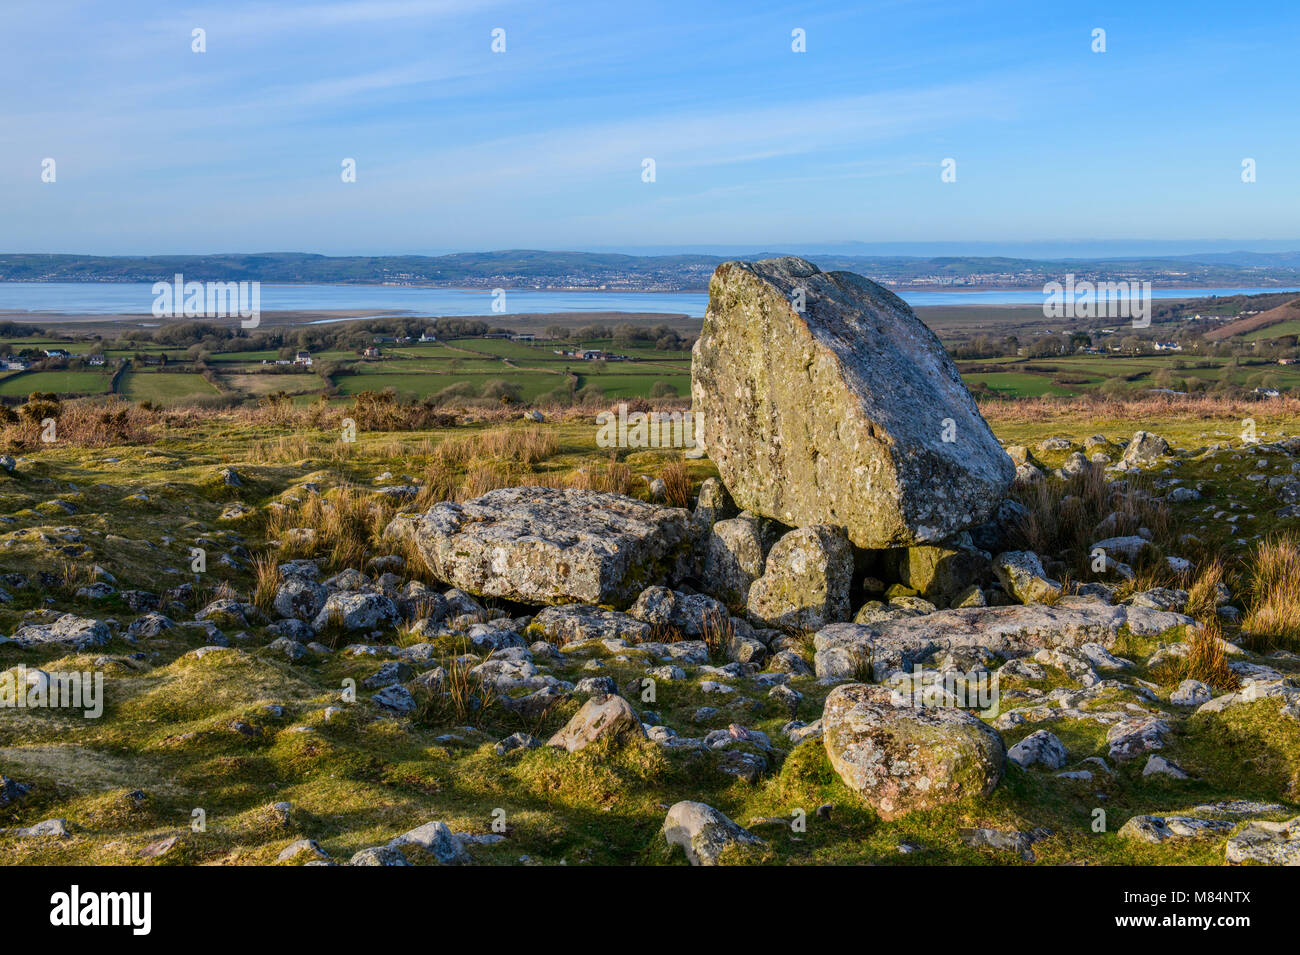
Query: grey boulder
[[552, 546], [825, 400]]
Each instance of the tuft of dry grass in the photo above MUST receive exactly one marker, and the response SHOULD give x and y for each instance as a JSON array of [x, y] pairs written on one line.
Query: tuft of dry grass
[[1206, 660], [1147, 408], [677, 484], [1273, 619], [88, 423], [718, 634], [439, 484], [614, 477], [347, 526], [526, 446], [464, 697], [1063, 516], [266, 581], [74, 575], [663, 632], [1202, 595], [482, 478]]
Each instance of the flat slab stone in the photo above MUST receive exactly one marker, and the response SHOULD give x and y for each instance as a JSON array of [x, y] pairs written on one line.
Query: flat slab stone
[[545, 545], [1013, 631]]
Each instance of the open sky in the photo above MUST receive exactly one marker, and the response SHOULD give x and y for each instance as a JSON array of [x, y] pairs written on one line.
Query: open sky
[[240, 148]]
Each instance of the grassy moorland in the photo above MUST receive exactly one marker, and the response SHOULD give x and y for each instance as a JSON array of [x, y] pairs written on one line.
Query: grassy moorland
[[127, 490]]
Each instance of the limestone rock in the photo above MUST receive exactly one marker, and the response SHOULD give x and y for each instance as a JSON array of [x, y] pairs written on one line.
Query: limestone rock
[[1157, 829], [1023, 577], [71, 631], [1144, 450], [551, 546], [1191, 693], [435, 839], [1133, 737], [825, 400], [1039, 749], [689, 613], [1129, 547], [1017, 630], [354, 610], [610, 716], [299, 599], [806, 580], [899, 757], [942, 571], [574, 623], [1269, 843], [703, 832], [734, 559]]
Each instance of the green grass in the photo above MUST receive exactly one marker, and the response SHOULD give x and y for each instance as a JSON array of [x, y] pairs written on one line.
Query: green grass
[[1269, 332], [1018, 385], [415, 386], [58, 382], [361, 778], [635, 384], [165, 388]]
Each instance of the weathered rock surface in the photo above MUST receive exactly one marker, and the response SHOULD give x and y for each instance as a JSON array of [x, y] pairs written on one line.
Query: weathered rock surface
[[1022, 576], [299, 599], [1008, 631], [551, 546], [435, 839], [689, 613], [703, 832], [1144, 450], [608, 716], [574, 623], [899, 757], [354, 610], [942, 571], [1156, 829], [69, 630], [806, 580], [826, 401], [733, 559], [1270, 843], [1039, 748]]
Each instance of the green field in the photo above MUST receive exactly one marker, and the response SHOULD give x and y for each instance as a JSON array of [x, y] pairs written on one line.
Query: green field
[[1076, 374], [1018, 384], [417, 386], [165, 387], [636, 385], [1270, 332], [58, 382]]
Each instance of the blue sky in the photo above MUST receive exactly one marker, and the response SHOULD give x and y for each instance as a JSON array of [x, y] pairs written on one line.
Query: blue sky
[[160, 149]]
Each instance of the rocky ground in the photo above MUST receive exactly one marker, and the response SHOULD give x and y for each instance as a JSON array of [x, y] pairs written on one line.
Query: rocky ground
[[499, 644], [219, 703]]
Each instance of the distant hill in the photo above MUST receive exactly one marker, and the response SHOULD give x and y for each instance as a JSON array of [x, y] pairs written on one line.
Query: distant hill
[[1289, 312], [530, 268]]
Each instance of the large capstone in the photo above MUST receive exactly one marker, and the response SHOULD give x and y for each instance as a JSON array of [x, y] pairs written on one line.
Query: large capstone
[[824, 400], [551, 546]]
